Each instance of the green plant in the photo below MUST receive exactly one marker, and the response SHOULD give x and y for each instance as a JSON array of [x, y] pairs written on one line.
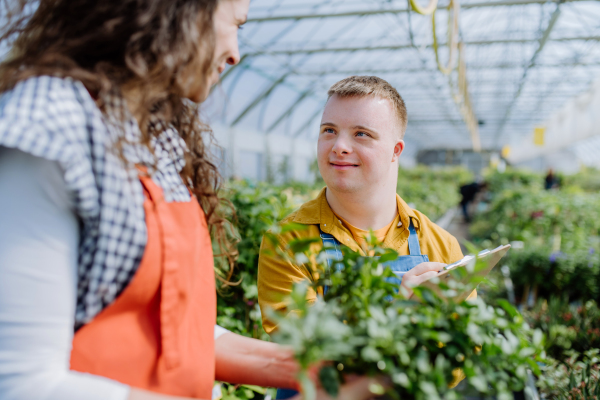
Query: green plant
[[559, 220], [573, 379], [366, 326], [567, 327], [258, 207], [513, 179], [588, 179], [542, 273], [243, 392]]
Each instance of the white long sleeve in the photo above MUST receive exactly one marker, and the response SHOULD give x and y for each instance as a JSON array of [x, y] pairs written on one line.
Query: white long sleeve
[[38, 263]]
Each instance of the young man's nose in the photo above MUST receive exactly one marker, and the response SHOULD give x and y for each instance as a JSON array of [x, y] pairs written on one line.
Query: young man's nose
[[341, 145]]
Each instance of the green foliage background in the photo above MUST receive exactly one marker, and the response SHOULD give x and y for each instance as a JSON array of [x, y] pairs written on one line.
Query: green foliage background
[[560, 231], [558, 269], [432, 191]]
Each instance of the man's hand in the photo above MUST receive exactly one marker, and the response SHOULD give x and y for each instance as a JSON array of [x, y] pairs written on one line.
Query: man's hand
[[420, 274]]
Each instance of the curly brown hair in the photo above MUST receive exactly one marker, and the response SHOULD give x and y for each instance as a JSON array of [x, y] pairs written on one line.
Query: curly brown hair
[[110, 45]]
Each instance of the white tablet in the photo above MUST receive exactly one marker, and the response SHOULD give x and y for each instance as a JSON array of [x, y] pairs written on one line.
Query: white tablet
[[468, 263]]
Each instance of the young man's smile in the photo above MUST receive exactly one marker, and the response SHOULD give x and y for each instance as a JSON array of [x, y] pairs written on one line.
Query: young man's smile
[[343, 165]]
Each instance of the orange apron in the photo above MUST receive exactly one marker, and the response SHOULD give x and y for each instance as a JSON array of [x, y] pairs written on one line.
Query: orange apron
[[158, 335]]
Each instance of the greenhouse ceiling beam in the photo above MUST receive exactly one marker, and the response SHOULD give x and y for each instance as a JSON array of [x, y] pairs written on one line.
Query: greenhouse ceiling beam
[[395, 10], [426, 121], [531, 98], [258, 99], [308, 121], [289, 110], [471, 67], [533, 94], [542, 43], [409, 46]]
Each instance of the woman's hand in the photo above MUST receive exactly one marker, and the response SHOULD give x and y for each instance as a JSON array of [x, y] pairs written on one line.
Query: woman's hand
[[357, 388], [420, 274]]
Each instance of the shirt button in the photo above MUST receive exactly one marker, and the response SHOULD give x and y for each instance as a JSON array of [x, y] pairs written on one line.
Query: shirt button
[[324, 224]]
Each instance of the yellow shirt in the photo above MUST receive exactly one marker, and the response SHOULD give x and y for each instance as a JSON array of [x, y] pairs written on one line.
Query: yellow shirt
[[359, 235], [276, 275]]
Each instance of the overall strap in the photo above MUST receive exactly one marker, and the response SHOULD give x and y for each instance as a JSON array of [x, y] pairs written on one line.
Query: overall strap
[[332, 252], [332, 247], [414, 249]]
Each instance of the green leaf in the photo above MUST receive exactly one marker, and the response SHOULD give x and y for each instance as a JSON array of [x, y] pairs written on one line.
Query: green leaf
[[389, 255], [309, 391], [479, 383], [329, 378], [535, 368], [429, 389], [508, 307], [302, 245], [369, 353], [293, 226]]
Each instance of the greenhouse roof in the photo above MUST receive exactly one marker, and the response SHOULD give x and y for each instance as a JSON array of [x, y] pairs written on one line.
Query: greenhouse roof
[[524, 59]]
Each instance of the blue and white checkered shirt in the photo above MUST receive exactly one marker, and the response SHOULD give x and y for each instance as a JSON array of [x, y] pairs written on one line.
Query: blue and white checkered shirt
[[57, 119]]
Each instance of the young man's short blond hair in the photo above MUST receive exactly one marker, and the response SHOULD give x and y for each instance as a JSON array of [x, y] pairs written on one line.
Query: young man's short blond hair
[[360, 86]]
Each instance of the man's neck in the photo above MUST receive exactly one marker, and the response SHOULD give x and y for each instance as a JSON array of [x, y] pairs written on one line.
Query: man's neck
[[372, 210]]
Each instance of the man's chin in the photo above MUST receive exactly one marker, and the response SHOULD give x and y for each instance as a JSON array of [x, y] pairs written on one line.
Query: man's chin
[[343, 187]]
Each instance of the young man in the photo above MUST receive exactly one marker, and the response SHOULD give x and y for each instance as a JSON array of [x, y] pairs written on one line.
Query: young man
[[360, 142]]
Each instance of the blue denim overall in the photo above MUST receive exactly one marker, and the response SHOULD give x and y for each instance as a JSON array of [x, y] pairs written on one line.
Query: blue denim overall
[[401, 264]]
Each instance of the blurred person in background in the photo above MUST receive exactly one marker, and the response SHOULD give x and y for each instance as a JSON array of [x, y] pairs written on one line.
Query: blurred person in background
[[468, 193], [551, 181], [107, 288], [359, 144]]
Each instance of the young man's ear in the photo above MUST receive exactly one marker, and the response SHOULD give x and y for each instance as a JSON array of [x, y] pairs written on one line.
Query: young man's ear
[[398, 148]]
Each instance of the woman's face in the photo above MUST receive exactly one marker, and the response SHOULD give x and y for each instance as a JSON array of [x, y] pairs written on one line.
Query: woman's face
[[229, 17]]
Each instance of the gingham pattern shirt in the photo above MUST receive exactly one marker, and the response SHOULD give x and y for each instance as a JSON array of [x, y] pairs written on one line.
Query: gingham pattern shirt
[[57, 119]]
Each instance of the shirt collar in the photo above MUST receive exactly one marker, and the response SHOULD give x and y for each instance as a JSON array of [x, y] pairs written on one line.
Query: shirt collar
[[318, 212]]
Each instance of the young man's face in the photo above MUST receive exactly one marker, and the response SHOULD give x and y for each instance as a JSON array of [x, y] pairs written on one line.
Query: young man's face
[[359, 143]]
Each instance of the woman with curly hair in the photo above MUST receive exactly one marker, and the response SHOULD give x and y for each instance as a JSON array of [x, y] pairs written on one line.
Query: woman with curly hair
[[108, 196]]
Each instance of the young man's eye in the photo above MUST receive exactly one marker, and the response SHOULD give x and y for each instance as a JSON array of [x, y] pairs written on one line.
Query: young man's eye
[[361, 134], [328, 130]]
